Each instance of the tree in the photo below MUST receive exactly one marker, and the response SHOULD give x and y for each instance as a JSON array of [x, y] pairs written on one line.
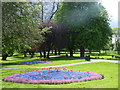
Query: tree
[[19, 22], [48, 13], [55, 37], [46, 16], [87, 24]]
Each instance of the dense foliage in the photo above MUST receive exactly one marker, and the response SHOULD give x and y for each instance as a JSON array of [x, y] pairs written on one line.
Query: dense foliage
[[19, 26], [26, 27], [87, 24]]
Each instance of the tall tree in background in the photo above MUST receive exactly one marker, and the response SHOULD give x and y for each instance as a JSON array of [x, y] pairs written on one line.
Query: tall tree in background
[[87, 24], [55, 37], [46, 16], [19, 22]]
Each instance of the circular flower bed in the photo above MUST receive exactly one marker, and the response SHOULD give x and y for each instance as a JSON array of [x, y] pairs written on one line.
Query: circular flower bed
[[33, 62], [56, 76]]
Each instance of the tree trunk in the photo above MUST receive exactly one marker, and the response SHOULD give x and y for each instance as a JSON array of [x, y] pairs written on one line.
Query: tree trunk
[[82, 52], [41, 54], [99, 53], [71, 53], [90, 51], [11, 54], [52, 51], [58, 51], [44, 54], [66, 54], [32, 54], [4, 56], [55, 51], [25, 54], [48, 53]]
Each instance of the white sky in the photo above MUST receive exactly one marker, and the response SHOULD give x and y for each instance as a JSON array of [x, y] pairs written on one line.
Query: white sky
[[112, 8]]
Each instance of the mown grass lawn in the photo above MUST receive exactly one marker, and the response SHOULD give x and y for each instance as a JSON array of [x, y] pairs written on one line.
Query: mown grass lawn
[[106, 55], [12, 61], [109, 70]]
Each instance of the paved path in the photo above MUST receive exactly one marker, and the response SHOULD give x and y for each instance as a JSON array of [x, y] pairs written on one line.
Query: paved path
[[92, 61]]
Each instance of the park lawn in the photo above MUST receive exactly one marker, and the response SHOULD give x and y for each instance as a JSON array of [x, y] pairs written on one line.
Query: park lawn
[[109, 70], [103, 55], [12, 61]]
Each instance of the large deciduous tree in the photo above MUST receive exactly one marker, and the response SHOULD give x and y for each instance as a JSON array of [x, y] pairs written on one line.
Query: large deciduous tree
[[87, 23], [19, 26], [55, 37]]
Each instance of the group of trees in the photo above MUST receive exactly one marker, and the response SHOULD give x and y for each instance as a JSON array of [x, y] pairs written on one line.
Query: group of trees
[[20, 22], [87, 23], [69, 25], [19, 27]]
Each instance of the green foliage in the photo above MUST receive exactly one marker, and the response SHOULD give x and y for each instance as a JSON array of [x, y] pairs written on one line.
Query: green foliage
[[87, 23], [19, 26]]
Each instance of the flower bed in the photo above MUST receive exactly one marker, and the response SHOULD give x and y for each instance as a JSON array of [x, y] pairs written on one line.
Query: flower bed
[[55, 76], [33, 62]]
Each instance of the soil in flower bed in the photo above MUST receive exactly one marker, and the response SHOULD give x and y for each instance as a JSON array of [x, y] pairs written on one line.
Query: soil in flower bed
[[53, 77], [33, 62]]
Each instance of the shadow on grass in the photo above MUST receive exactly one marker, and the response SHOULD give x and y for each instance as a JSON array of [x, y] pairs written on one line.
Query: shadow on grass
[[43, 59], [63, 58], [4, 64]]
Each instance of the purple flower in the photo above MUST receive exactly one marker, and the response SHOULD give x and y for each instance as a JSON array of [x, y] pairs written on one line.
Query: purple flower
[[51, 76]]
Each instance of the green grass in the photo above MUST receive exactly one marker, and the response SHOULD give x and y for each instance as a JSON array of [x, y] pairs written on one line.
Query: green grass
[[109, 70], [107, 55], [12, 61]]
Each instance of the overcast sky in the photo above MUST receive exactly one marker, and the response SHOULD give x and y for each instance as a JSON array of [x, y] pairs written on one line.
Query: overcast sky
[[112, 8]]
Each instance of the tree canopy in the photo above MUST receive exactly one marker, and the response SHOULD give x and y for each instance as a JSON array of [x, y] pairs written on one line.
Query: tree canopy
[[87, 24], [69, 25], [19, 26]]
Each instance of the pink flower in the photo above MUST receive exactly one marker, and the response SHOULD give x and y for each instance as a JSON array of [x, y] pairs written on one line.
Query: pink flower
[[65, 77], [29, 75], [57, 69], [22, 74], [49, 71], [71, 70], [49, 76], [43, 76], [64, 68], [43, 68], [87, 71]]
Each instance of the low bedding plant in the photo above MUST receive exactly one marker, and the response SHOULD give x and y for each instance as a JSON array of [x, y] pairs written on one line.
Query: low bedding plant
[[53, 76], [33, 62]]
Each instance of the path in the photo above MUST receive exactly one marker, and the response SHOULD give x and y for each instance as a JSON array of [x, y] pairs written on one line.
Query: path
[[92, 61]]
